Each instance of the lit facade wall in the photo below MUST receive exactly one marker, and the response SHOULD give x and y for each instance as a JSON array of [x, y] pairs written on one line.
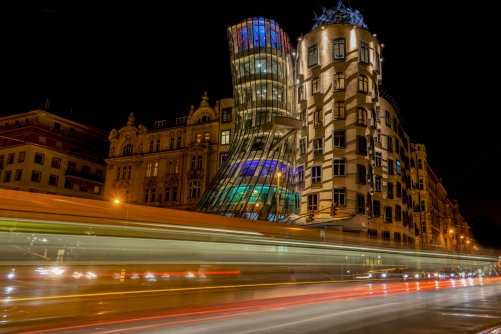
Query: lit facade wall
[[248, 184]]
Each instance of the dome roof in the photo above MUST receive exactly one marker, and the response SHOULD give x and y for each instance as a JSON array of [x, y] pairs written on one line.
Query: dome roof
[[339, 14]]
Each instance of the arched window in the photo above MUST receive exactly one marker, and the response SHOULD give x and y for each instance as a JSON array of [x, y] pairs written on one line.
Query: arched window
[[204, 119], [194, 189], [127, 150]]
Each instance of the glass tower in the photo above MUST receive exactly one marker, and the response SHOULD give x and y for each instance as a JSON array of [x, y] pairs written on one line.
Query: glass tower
[[258, 178]]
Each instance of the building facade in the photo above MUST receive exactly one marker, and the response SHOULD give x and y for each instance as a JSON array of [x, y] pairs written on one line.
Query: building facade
[[42, 152], [170, 166]]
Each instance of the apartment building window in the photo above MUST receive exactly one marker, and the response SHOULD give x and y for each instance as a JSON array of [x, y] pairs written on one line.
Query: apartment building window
[[85, 171], [21, 157], [36, 176], [226, 115], [385, 235], [398, 190], [1, 161], [300, 94], [199, 137], [339, 138], [300, 173], [420, 163], [19, 174], [39, 158], [10, 158], [56, 163], [97, 189], [194, 189], [316, 174], [312, 202], [53, 180], [376, 208], [423, 206], [339, 49], [388, 214], [148, 169], [364, 53], [178, 145], [387, 118], [313, 55], [339, 110], [339, 81], [155, 169], [157, 148], [379, 159], [362, 116], [360, 203], [363, 84], [378, 183], [361, 145], [389, 144], [397, 237], [338, 167], [83, 186], [378, 62], [318, 146], [171, 146], [304, 117], [389, 190], [41, 141], [223, 158], [6, 177], [127, 150], [68, 184], [378, 136], [99, 174], [390, 167], [318, 118], [421, 184], [225, 137], [394, 124], [398, 213], [361, 174], [339, 196], [315, 86]]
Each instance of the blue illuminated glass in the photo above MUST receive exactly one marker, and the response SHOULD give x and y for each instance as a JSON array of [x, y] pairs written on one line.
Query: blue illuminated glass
[[249, 168], [243, 39], [259, 33], [275, 40]]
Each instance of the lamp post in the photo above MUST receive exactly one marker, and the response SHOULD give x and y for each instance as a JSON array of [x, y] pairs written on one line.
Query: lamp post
[[450, 238], [117, 201], [467, 244], [462, 243], [278, 193]]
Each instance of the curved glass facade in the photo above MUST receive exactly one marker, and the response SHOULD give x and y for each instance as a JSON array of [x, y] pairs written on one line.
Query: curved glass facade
[[263, 144]]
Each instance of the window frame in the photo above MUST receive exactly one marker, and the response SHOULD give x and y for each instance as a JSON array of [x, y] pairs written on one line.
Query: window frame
[[38, 177], [313, 58], [339, 81], [363, 84], [360, 203], [318, 146], [339, 49], [225, 137], [53, 177], [339, 195], [361, 174], [40, 157], [316, 174], [339, 138], [337, 107], [338, 167], [316, 85], [364, 53], [312, 202]]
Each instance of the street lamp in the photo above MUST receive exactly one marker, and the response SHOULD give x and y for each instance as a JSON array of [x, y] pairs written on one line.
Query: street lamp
[[278, 193], [462, 242], [117, 201]]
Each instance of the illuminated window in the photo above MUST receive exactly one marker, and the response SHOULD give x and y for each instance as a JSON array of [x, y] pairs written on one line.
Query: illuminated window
[[199, 138], [362, 116], [276, 41], [148, 169], [260, 65], [364, 53], [313, 55], [225, 137], [206, 137], [97, 189], [399, 170], [318, 118], [338, 167], [259, 32], [155, 169], [339, 81], [243, 39], [338, 49], [275, 67], [363, 84]]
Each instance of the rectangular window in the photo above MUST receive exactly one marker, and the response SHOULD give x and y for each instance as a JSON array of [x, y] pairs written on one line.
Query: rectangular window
[[19, 175], [318, 118], [53, 180], [397, 237], [10, 158], [315, 86], [178, 145], [36, 176], [223, 158], [378, 62], [387, 118], [378, 136], [339, 49], [376, 208], [171, 146], [174, 194], [83, 186], [316, 174], [275, 67], [225, 137], [199, 137], [360, 203], [6, 177], [97, 189], [399, 190], [398, 213], [361, 174], [339, 138], [318, 146], [39, 158], [207, 137], [390, 167], [312, 202], [377, 183], [313, 55], [387, 214], [399, 169], [385, 235], [153, 195], [338, 167], [339, 196], [363, 84], [22, 156], [304, 117], [41, 141], [300, 94], [300, 173], [379, 159], [421, 184], [226, 115], [362, 116], [157, 147], [146, 195], [394, 124], [68, 183], [303, 144], [420, 163], [59, 145], [339, 110], [56, 163], [389, 190], [389, 144], [364, 53], [423, 206], [361, 145], [339, 81]]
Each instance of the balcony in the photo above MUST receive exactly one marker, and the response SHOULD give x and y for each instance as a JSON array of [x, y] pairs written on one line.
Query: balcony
[[84, 176]]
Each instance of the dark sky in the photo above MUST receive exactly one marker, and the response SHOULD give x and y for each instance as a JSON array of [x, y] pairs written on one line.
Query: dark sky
[[440, 65]]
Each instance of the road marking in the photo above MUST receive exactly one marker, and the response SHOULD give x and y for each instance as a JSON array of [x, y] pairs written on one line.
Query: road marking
[[472, 315]]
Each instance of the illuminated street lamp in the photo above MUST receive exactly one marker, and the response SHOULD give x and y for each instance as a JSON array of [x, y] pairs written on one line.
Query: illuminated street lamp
[[117, 201], [462, 242], [278, 192]]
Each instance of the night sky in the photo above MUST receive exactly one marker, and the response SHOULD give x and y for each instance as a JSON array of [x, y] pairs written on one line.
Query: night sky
[[103, 62]]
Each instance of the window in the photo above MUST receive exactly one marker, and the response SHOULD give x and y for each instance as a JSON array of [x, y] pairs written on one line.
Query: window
[[194, 189], [389, 193], [68, 184], [397, 237], [6, 177], [203, 119], [361, 145], [226, 115], [160, 124], [56, 163], [378, 136], [363, 84], [225, 137], [377, 183], [41, 141], [338, 167], [127, 150], [146, 195], [83, 186], [178, 145], [387, 214], [339, 110], [171, 145], [339, 138], [379, 159], [318, 118], [420, 163], [22, 156], [155, 169], [300, 94], [19, 175], [10, 158], [378, 114], [339, 81], [376, 208], [394, 123], [157, 148], [338, 49], [199, 137], [303, 116], [361, 174], [360, 203], [153, 195], [72, 167], [313, 55], [303, 145], [399, 190], [312, 202], [399, 169], [196, 162], [364, 52], [390, 144], [148, 169], [423, 206], [36, 176], [99, 174], [275, 67], [385, 235], [315, 86], [339, 196], [362, 116], [300, 173], [318, 146], [39, 158], [174, 194], [387, 118], [316, 174], [390, 167], [73, 149], [97, 189], [421, 184], [53, 180], [222, 160], [378, 62], [398, 213]]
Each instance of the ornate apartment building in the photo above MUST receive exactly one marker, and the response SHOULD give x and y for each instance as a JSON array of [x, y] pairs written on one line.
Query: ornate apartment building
[[169, 166], [42, 152]]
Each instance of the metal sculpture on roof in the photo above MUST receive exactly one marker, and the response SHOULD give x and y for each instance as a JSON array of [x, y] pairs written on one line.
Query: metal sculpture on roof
[[339, 14]]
